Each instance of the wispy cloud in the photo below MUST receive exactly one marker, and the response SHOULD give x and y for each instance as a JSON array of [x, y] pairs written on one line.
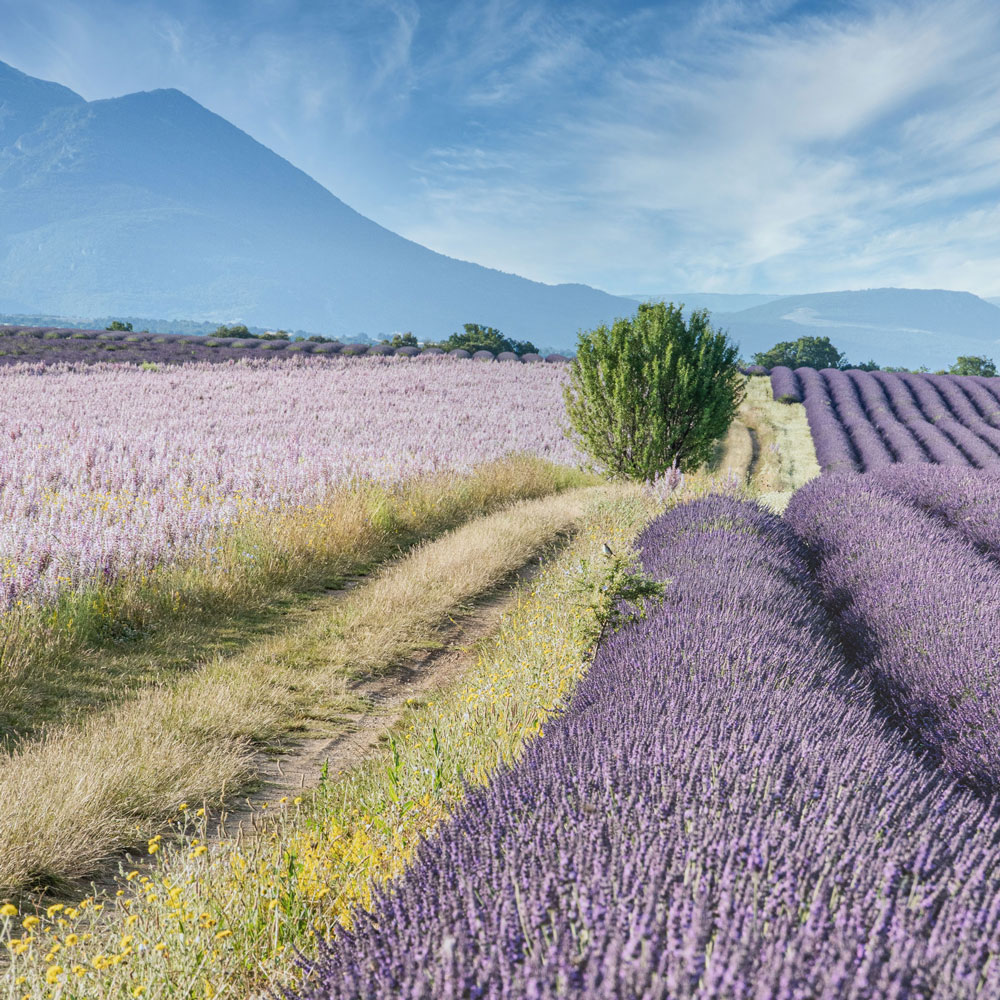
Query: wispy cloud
[[722, 145]]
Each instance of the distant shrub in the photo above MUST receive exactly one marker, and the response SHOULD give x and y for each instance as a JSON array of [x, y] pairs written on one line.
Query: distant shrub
[[972, 364], [806, 352], [402, 340], [485, 338], [116, 324], [237, 330]]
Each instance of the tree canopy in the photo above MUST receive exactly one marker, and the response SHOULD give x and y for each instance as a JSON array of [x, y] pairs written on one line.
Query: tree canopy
[[973, 364], [486, 338], [653, 391], [806, 352]]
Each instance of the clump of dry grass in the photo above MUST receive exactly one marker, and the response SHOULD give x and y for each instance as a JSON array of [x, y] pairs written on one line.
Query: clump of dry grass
[[229, 919], [786, 458], [78, 794], [90, 648]]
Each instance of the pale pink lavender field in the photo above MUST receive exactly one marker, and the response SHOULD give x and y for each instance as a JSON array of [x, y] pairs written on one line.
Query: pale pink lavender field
[[107, 467]]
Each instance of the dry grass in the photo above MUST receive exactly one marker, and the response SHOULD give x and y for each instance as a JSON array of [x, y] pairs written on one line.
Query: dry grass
[[734, 454], [92, 648], [226, 920], [80, 793], [786, 457]]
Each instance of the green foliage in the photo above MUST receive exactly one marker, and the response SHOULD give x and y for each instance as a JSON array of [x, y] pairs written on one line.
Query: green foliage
[[117, 324], [401, 340], [866, 366], [485, 338], [614, 595], [237, 330], [806, 352], [653, 392], [972, 364]]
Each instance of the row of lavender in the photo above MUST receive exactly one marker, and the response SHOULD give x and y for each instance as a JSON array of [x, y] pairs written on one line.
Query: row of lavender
[[868, 420], [907, 562], [59, 344], [719, 814]]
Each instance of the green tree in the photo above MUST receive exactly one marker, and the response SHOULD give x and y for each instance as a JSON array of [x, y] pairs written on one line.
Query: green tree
[[653, 391], [117, 324], [486, 338], [806, 352], [237, 330], [401, 340], [866, 366], [972, 364]]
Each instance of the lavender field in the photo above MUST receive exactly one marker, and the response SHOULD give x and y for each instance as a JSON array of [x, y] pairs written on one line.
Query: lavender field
[[724, 810], [104, 467], [783, 782], [862, 421]]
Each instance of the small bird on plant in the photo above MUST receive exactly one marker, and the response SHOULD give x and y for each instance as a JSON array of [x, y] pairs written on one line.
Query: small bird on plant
[[606, 549]]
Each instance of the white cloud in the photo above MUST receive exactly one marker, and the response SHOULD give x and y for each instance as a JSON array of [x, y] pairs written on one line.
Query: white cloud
[[726, 146]]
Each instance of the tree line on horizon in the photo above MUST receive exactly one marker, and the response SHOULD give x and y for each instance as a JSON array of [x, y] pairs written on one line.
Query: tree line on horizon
[[818, 352]]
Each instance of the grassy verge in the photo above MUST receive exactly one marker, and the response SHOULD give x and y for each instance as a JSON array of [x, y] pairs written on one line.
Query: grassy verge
[[228, 919], [786, 457], [79, 794], [92, 647]]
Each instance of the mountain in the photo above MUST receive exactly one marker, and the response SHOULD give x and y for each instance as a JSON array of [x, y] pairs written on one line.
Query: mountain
[[722, 302], [893, 326], [151, 205]]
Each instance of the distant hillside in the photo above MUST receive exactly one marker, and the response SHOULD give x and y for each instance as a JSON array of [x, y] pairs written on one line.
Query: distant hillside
[[901, 326], [712, 301], [150, 205]]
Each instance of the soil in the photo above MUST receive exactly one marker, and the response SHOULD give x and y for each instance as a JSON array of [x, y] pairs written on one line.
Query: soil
[[298, 765]]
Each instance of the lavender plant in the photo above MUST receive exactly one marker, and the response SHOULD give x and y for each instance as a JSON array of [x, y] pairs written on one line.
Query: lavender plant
[[862, 420], [916, 607], [718, 814]]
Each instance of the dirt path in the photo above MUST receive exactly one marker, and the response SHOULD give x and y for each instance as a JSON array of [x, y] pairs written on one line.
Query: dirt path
[[299, 764], [754, 454]]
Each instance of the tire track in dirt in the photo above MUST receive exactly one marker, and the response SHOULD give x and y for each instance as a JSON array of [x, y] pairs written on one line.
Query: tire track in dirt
[[297, 765]]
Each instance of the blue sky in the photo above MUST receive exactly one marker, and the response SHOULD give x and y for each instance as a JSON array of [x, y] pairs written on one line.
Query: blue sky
[[722, 146]]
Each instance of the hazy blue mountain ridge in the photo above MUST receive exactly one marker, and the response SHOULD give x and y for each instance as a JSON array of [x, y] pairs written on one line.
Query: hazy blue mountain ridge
[[893, 326], [150, 204], [714, 302]]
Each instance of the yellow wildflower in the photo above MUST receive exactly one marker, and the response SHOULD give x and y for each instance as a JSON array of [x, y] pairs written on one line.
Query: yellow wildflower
[[8, 910]]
